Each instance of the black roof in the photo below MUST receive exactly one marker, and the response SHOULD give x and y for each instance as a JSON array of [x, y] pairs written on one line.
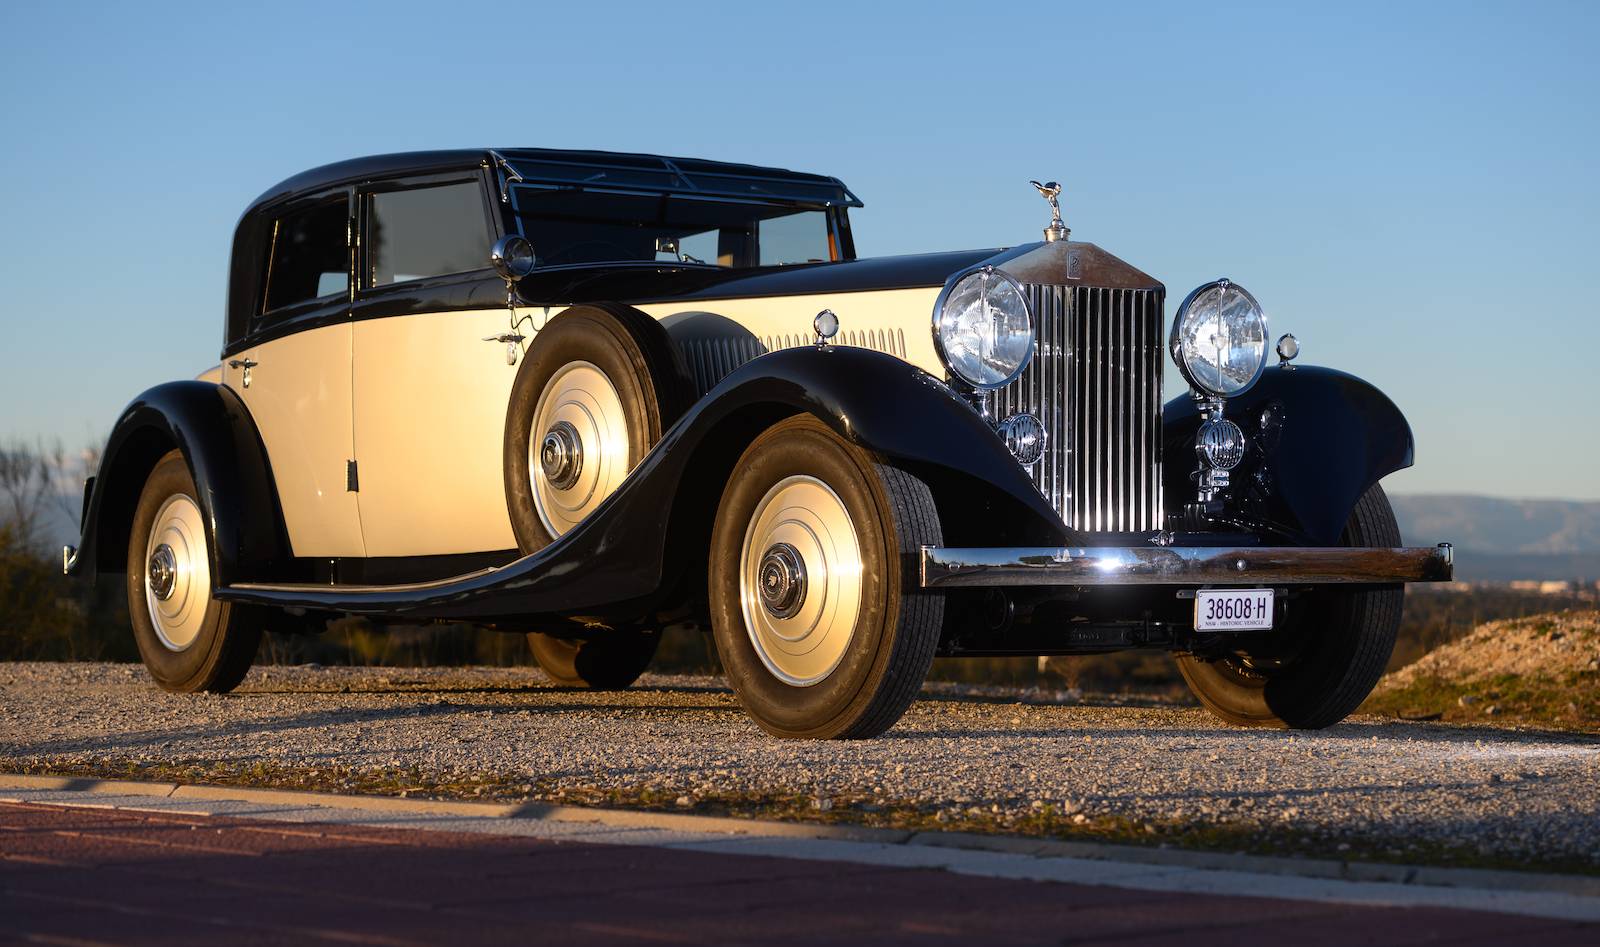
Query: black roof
[[599, 169]]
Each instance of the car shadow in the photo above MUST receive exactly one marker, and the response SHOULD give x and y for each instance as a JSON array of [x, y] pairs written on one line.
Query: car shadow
[[340, 717]]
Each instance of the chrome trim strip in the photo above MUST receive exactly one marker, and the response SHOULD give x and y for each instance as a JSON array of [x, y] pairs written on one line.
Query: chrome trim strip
[[357, 590], [950, 568]]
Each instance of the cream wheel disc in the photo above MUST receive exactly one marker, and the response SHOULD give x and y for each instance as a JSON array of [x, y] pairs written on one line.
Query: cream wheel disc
[[177, 586], [800, 580], [578, 445]]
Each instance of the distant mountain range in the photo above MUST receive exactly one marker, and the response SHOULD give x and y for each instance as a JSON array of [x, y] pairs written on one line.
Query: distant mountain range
[[1496, 540], [1500, 540]]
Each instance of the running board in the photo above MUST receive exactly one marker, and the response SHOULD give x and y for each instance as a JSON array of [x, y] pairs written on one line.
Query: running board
[[244, 590], [950, 568]]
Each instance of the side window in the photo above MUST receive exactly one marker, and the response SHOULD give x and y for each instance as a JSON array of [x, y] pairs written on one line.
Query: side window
[[427, 231], [310, 255]]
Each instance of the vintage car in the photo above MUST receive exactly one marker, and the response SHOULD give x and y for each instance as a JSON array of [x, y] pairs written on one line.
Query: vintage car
[[585, 396]]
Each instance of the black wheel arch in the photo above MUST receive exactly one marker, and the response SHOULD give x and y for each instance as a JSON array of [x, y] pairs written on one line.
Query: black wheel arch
[[225, 455], [878, 402], [1319, 440]]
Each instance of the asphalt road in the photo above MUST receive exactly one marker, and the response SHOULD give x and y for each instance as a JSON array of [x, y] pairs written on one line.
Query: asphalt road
[[1406, 791], [98, 875]]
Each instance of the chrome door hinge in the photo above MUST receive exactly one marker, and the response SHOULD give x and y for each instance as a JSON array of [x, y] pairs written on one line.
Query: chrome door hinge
[[245, 363], [351, 483]]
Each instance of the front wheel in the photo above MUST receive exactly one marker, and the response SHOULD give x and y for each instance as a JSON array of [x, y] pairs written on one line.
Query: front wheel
[[817, 616], [1332, 654]]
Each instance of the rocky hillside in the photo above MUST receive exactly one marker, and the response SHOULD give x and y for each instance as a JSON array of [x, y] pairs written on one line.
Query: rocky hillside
[[1541, 671]]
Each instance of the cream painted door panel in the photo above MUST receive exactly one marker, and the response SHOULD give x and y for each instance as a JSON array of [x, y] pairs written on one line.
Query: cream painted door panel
[[430, 412], [300, 399]]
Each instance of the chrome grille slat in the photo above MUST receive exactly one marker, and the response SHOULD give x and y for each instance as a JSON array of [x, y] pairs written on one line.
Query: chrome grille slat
[[1095, 383]]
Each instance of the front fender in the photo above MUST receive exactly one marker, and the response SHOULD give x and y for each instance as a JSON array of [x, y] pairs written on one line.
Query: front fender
[[893, 408], [212, 428], [1320, 438]]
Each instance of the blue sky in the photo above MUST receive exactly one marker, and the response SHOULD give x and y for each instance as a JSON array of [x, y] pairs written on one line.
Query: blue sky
[[1410, 188]]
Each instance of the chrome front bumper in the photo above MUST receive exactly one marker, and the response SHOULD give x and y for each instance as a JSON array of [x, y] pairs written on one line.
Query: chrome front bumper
[[949, 568]]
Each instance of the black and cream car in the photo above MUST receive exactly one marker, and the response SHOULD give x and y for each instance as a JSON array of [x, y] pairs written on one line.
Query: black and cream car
[[584, 396]]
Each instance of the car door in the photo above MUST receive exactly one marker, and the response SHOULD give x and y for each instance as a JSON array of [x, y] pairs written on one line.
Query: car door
[[293, 373], [431, 381]]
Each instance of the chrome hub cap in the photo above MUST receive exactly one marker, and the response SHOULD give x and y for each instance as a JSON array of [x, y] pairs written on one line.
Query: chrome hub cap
[[783, 581], [178, 573], [578, 445], [800, 583], [163, 572], [561, 456]]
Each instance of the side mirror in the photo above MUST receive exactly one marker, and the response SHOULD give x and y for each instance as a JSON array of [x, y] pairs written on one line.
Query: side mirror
[[512, 256]]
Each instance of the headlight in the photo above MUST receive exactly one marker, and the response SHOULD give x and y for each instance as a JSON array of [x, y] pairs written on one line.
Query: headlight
[[1219, 339], [983, 329]]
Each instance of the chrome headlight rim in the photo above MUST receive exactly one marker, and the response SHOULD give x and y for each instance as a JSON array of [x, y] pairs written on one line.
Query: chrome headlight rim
[[950, 285], [1175, 340]]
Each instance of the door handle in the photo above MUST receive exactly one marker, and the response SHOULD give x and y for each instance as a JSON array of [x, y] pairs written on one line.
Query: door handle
[[245, 363], [510, 339]]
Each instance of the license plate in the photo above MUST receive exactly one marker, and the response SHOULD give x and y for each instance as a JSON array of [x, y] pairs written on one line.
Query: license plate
[[1233, 609]]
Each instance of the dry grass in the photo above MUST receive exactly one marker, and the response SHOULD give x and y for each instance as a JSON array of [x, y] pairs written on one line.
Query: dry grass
[[1540, 671]]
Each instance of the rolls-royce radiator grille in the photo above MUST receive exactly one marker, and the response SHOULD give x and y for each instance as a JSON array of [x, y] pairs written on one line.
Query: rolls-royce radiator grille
[[1095, 382]]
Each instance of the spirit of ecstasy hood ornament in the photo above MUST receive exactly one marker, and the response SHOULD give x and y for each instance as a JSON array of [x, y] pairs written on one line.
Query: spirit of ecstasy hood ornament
[[1051, 191]]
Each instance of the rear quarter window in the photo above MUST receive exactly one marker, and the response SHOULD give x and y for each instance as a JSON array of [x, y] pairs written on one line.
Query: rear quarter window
[[309, 257]]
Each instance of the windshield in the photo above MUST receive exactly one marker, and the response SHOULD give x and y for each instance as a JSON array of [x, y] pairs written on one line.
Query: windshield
[[567, 226]]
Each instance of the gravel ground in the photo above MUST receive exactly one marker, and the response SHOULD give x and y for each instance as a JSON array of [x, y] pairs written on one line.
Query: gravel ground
[[967, 758]]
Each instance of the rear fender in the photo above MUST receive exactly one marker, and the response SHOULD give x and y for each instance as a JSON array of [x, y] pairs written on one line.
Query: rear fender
[[219, 441]]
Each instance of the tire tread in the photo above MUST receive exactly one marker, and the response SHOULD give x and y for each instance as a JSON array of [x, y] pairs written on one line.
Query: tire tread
[[1325, 688], [916, 522], [1372, 523]]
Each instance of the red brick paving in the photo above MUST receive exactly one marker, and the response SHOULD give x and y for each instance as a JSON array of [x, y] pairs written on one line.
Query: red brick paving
[[92, 876]]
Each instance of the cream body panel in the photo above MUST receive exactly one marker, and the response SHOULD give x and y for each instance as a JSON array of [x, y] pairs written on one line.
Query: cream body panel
[[430, 413], [718, 335], [430, 398], [300, 399]]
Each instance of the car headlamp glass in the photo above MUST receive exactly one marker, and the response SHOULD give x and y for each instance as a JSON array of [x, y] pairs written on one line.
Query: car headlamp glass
[[1219, 339], [983, 329]]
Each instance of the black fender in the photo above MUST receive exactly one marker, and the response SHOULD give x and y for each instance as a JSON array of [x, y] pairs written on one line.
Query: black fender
[[1319, 439], [890, 407], [653, 532], [219, 440]]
